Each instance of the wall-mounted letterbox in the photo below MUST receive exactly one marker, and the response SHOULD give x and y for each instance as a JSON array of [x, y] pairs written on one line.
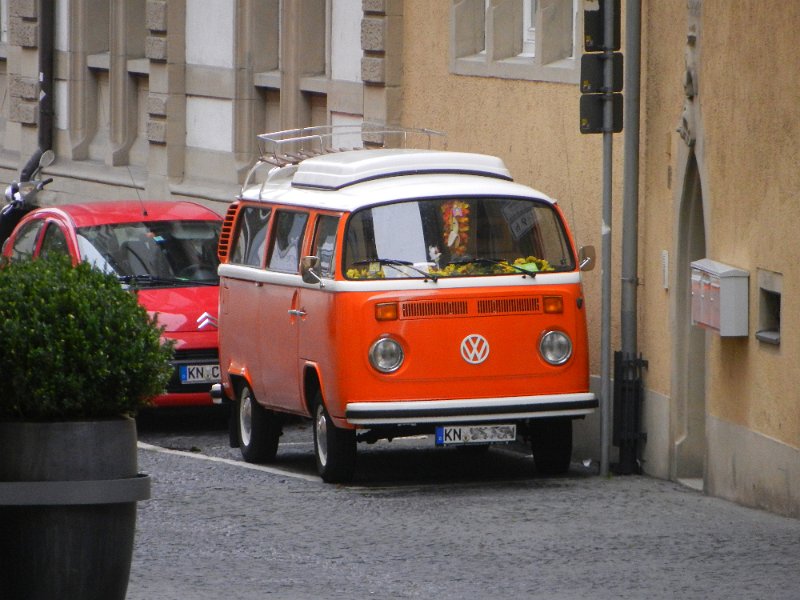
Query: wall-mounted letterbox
[[719, 297]]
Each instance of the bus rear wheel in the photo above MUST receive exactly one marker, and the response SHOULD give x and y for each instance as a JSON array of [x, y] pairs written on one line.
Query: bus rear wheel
[[259, 428]]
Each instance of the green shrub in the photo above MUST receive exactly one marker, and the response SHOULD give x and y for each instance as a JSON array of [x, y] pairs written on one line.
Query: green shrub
[[74, 344]]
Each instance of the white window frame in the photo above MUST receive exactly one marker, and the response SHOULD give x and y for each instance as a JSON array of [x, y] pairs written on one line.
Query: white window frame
[[3, 27], [529, 28], [546, 46]]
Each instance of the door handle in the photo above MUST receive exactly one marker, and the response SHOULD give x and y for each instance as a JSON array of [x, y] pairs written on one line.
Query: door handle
[[297, 313]]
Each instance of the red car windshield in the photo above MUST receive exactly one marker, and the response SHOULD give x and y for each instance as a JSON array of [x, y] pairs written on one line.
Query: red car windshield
[[154, 253]]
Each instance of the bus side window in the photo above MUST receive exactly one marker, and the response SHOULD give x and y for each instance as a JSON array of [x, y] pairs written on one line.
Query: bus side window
[[325, 244], [287, 238], [249, 244]]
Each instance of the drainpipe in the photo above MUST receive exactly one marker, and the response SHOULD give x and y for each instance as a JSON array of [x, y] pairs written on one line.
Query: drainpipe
[[629, 365], [46, 78], [630, 205]]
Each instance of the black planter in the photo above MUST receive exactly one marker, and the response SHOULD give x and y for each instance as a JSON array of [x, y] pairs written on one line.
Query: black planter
[[68, 493]]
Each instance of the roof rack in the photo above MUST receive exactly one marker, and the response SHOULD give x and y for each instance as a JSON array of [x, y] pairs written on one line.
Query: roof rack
[[292, 146]]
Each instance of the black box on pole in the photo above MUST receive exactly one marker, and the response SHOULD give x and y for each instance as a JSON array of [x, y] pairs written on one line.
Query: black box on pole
[[591, 113], [593, 73], [594, 17]]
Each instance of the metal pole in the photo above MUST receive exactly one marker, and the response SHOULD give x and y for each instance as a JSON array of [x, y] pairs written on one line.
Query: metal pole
[[630, 211], [605, 335]]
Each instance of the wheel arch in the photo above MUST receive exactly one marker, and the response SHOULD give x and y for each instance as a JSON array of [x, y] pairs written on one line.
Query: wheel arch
[[238, 380], [312, 383]]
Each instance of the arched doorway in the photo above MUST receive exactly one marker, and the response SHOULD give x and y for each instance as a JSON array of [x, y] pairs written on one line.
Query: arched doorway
[[688, 422]]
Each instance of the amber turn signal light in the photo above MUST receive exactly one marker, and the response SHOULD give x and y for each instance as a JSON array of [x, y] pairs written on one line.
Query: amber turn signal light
[[386, 311], [553, 304]]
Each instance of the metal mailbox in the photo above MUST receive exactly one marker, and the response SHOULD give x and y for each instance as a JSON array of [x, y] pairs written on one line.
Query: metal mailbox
[[720, 297]]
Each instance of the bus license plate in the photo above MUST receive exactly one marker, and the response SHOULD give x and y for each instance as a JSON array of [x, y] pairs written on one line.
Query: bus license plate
[[475, 434], [199, 373]]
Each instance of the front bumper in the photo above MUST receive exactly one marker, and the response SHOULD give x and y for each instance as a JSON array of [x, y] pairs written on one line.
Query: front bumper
[[470, 409]]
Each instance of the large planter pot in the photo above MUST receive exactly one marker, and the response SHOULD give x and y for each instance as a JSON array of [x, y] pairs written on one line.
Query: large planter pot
[[68, 493]]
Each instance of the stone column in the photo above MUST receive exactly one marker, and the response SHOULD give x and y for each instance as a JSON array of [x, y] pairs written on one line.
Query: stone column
[[123, 43], [302, 54], [83, 40], [166, 103], [23, 78], [382, 63], [253, 54]]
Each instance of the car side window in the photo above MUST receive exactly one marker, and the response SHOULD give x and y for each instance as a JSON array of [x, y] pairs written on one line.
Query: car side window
[[54, 241], [25, 242], [287, 239], [250, 241], [325, 244]]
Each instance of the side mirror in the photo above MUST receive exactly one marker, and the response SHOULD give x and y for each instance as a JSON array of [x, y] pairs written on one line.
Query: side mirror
[[586, 258], [47, 158], [308, 266]]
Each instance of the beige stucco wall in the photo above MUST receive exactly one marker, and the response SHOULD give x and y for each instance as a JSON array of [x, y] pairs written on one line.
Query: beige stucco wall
[[748, 95], [663, 23], [747, 147], [749, 167]]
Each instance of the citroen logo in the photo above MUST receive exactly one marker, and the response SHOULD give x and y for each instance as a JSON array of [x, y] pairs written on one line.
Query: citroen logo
[[206, 320], [474, 349]]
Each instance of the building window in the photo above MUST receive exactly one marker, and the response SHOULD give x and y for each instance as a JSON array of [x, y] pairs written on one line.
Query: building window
[[516, 39], [770, 288]]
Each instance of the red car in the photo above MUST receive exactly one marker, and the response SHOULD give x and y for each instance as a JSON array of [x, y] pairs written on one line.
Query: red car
[[166, 252]]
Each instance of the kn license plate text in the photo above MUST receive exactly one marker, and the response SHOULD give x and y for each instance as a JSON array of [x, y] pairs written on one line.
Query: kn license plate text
[[199, 373], [475, 434]]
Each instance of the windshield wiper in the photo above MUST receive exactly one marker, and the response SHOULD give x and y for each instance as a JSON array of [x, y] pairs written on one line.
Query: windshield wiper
[[491, 261], [153, 279], [392, 262]]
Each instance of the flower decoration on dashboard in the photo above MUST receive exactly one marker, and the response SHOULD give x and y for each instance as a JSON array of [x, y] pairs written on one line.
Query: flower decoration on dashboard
[[455, 216], [371, 271], [533, 264]]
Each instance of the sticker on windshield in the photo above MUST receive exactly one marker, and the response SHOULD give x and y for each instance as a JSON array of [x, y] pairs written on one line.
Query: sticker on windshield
[[519, 217]]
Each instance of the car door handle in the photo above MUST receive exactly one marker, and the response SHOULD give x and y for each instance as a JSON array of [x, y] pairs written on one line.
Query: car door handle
[[297, 313]]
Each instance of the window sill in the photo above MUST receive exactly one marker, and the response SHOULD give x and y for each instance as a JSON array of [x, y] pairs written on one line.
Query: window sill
[[769, 336], [518, 67]]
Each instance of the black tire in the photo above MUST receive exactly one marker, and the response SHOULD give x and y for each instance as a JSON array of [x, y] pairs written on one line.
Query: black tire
[[551, 443], [233, 425], [334, 448], [259, 429]]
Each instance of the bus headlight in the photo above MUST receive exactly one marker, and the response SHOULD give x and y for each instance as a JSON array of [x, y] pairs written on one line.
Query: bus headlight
[[386, 355], [555, 347]]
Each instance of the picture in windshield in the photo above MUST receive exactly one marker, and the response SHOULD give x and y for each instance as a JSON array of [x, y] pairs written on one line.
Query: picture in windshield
[[160, 252], [456, 238]]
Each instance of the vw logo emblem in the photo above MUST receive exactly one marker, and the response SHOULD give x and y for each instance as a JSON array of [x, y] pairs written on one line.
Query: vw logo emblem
[[474, 349], [206, 320]]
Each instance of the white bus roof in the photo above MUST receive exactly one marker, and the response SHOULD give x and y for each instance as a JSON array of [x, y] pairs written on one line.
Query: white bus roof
[[335, 171], [353, 179]]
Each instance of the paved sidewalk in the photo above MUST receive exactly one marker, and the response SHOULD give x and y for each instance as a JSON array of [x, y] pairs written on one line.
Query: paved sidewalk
[[220, 530]]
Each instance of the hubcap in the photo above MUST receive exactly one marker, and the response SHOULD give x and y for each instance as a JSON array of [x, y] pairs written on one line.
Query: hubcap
[[322, 436], [245, 418]]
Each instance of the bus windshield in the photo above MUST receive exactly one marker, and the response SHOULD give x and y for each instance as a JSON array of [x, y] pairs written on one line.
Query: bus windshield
[[456, 237]]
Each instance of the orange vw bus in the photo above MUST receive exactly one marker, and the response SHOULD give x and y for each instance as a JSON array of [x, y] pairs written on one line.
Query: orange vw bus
[[393, 292]]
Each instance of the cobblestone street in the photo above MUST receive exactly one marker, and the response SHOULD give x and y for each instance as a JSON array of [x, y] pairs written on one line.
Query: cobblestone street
[[421, 523]]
